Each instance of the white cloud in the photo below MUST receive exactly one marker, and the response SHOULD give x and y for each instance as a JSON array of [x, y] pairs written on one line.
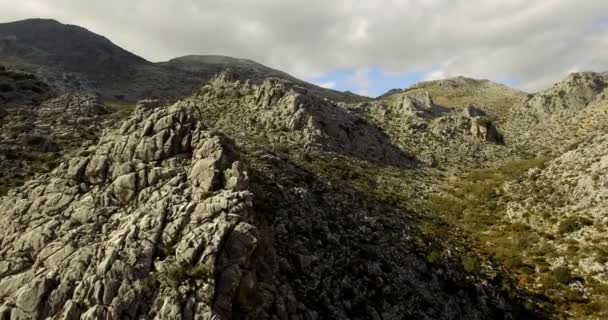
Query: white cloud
[[435, 75], [532, 42], [328, 85]]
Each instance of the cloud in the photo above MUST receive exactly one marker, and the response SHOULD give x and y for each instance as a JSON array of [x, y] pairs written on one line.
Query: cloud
[[435, 75], [328, 85], [533, 43]]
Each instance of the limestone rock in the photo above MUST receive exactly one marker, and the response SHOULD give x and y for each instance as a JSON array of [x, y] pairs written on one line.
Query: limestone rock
[[126, 229], [73, 106], [288, 115]]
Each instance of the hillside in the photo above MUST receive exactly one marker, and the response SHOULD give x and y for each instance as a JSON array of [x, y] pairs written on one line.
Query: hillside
[[166, 218], [462, 92]]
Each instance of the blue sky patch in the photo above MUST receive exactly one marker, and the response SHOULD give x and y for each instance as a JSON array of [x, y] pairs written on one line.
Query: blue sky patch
[[367, 81]]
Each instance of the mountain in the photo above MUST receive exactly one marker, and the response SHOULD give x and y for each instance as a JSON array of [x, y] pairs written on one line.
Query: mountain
[[71, 58], [257, 196], [166, 217]]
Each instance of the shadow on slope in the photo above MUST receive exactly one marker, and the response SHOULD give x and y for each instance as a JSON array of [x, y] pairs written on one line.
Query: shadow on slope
[[349, 256]]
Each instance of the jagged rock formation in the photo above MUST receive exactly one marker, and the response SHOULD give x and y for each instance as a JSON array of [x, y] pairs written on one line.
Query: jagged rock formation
[[287, 115], [482, 126], [84, 240], [568, 96], [436, 134]]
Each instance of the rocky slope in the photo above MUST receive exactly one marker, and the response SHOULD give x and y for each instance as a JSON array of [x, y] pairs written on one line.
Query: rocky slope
[[34, 139], [461, 92], [71, 58], [439, 135], [542, 212], [562, 115], [159, 221], [568, 198], [284, 114]]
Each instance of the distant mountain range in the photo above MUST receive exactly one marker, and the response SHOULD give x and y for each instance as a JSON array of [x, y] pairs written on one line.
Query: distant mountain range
[[72, 58]]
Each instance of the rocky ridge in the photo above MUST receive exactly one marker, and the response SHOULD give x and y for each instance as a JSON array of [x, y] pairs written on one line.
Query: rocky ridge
[[281, 113], [159, 183], [552, 116]]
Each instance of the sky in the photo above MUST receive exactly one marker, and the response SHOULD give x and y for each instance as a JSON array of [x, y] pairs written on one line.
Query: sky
[[364, 46]]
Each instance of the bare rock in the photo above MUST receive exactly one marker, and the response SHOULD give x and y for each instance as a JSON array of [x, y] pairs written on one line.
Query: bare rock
[[159, 210]]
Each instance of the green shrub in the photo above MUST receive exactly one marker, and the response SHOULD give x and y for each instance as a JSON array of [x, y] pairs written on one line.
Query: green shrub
[[562, 274], [572, 224], [433, 257], [471, 264], [34, 140]]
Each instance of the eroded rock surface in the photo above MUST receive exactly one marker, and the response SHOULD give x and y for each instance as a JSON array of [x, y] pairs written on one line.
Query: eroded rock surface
[[155, 223], [437, 135], [284, 114]]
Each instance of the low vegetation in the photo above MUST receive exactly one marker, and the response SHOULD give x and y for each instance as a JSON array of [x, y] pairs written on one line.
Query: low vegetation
[[478, 201]]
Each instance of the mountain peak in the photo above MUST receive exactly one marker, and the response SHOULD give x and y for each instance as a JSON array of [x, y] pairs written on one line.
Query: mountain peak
[[35, 21]]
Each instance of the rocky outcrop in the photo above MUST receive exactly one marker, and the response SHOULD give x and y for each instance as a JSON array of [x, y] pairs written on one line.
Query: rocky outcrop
[[155, 223], [553, 117], [482, 127], [437, 135], [485, 130], [73, 107], [419, 105], [287, 115], [569, 96]]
